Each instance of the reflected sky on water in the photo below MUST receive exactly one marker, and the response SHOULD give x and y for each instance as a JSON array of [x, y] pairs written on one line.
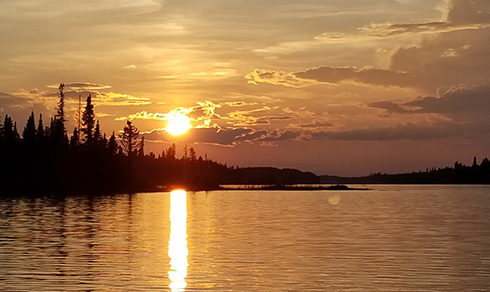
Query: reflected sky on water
[[392, 238]]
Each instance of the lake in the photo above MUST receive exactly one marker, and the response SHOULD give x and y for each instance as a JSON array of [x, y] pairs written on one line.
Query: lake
[[390, 238]]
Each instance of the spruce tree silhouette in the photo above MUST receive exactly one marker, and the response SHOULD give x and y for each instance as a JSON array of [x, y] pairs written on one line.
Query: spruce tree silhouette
[[58, 132], [97, 134], [112, 145], [40, 129], [29, 133], [75, 137], [88, 120], [129, 138]]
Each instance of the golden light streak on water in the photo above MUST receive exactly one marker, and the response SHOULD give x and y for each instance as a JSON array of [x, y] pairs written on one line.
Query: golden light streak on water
[[177, 244]]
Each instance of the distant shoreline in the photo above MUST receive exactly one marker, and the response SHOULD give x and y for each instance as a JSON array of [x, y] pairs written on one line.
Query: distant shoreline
[[338, 187], [267, 187]]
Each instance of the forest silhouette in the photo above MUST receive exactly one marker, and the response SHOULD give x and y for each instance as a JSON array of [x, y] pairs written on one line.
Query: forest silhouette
[[46, 160]]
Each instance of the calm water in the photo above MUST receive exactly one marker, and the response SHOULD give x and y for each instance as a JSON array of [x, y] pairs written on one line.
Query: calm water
[[393, 238]]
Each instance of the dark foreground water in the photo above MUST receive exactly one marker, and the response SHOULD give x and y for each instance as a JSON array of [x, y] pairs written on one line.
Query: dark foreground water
[[393, 238]]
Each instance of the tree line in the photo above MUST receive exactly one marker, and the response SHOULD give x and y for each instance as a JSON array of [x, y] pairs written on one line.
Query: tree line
[[45, 159], [476, 173]]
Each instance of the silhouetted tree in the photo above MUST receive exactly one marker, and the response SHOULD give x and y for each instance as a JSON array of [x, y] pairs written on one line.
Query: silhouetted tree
[[103, 141], [40, 129], [141, 149], [74, 138], [60, 114], [112, 144], [7, 132], [485, 163], [129, 138], [192, 154], [171, 152], [186, 153], [78, 117], [97, 134], [58, 132], [16, 133], [88, 120], [29, 133]]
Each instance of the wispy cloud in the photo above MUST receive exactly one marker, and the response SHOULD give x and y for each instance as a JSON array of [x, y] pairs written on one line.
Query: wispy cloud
[[332, 75], [396, 29], [278, 78]]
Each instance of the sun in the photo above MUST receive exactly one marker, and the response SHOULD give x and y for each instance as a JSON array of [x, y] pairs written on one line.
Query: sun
[[177, 123]]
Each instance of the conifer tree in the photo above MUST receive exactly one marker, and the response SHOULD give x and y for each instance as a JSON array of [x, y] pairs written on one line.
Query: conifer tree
[[192, 153], [74, 138], [16, 133], [7, 133], [97, 134], [58, 131], [40, 128], [103, 141], [60, 114], [129, 138], [186, 152], [88, 120], [112, 144], [172, 151], [29, 133]]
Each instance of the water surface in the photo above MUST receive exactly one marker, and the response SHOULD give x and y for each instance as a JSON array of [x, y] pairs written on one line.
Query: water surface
[[391, 238]]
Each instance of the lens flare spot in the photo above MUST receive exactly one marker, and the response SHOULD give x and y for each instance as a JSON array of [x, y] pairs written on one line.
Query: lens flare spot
[[334, 200]]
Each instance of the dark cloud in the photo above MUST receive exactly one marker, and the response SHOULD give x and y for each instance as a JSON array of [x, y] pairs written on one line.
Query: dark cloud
[[364, 75], [389, 30], [457, 54], [461, 103], [452, 58], [316, 124], [332, 75], [461, 15], [464, 11], [19, 105], [280, 135], [408, 131], [266, 120], [225, 137], [467, 107], [390, 107]]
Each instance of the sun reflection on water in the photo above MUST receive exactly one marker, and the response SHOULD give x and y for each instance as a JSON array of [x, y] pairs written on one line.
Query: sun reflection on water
[[177, 244]]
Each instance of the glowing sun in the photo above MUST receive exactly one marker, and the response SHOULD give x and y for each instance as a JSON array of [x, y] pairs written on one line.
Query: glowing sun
[[177, 123]]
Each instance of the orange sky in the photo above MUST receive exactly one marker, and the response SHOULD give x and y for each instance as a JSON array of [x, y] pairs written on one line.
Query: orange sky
[[335, 87]]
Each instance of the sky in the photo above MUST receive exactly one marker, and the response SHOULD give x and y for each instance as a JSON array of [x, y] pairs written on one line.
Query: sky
[[345, 87]]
